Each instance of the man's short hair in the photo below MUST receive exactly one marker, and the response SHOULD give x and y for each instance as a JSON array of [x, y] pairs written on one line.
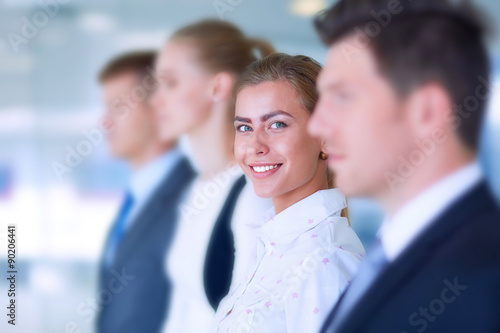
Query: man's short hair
[[137, 61], [421, 41]]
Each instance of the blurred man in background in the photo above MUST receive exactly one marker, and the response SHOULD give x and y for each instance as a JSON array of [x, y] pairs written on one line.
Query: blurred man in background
[[132, 268], [402, 99]]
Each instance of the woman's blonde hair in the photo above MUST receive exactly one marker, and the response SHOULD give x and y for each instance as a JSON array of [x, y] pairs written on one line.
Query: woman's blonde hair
[[300, 71], [222, 46]]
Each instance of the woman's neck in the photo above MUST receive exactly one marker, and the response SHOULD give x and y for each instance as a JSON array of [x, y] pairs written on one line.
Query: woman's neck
[[212, 144], [286, 200]]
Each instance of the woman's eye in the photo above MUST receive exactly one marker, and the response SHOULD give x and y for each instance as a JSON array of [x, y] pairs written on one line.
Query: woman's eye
[[168, 83], [278, 124], [243, 128], [343, 96]]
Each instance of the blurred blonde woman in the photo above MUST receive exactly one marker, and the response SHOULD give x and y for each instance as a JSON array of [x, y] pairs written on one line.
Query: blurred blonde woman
[[197, 70], [307, 252]]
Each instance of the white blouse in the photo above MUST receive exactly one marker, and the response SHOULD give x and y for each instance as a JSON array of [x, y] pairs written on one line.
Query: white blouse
[[190, 310], [306, 256]]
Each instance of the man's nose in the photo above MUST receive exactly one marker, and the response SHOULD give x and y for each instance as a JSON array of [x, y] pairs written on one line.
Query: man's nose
[[318, 124]]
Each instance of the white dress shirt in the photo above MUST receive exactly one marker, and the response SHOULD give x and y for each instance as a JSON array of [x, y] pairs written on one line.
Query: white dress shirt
[[398, 232], [190, 310], [306, 256], [249, 214]]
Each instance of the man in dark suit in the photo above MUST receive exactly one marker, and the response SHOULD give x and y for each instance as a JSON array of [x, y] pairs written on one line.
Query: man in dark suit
[[134, 291], [402, 99]]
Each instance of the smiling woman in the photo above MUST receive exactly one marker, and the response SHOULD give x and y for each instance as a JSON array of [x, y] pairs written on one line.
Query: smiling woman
[[269, 136], [307, 252], [272, 144]]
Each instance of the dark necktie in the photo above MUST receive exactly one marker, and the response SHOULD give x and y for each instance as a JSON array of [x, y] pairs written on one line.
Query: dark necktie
[[370, 268], [119, 228], [219, 260]]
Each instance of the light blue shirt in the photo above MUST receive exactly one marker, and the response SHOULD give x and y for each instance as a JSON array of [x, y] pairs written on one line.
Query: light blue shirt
[[147, 179]]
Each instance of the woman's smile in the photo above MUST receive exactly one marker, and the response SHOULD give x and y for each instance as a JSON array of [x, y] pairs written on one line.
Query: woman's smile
[[263, 170]]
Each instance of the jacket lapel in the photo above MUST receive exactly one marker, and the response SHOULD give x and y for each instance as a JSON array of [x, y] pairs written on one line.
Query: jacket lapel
[[166, 194], [396, 275]]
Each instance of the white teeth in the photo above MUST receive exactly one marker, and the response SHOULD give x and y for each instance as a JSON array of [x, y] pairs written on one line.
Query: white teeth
[[264, 168]]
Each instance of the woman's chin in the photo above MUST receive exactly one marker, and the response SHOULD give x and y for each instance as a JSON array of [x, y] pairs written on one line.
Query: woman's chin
[[167, 135], [263, 192]]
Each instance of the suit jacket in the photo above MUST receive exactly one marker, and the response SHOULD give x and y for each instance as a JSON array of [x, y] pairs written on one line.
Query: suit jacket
[[447, 280], [134, 292], [219, 261]]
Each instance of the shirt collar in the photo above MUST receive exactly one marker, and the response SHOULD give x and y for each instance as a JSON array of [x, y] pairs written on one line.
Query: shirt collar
[[396, 233], [145, 180], [300, 217]]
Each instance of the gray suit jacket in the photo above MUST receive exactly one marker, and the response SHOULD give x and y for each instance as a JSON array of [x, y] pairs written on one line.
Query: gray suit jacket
[[134, 292]]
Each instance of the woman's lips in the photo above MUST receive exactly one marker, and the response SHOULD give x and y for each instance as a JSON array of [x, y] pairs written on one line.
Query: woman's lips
[[264, 170]]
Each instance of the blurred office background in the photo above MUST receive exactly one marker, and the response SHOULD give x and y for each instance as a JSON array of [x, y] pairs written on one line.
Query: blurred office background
[[49, 98]]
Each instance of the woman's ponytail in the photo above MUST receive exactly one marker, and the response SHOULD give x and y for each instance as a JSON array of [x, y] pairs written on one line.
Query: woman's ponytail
[[262, 46]]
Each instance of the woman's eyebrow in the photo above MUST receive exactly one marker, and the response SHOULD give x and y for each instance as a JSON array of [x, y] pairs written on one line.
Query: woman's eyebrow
[[265, 117], [270, 115], [162, 71], [241, 119]]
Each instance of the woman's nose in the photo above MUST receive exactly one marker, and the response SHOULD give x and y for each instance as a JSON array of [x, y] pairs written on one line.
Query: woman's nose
[[258, 144], [156, 100]]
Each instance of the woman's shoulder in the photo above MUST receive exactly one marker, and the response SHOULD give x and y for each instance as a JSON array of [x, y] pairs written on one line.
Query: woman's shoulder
[[342, 235]]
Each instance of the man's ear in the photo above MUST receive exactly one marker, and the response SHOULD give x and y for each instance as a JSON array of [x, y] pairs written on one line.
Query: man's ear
[[429, 108], [222, 86]]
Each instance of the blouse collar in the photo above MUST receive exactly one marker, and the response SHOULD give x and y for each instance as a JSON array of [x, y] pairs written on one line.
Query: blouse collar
[[300, 217]]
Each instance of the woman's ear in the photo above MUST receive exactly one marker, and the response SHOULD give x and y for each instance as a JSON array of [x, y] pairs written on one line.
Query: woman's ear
[[222, 86], [322, 144]]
